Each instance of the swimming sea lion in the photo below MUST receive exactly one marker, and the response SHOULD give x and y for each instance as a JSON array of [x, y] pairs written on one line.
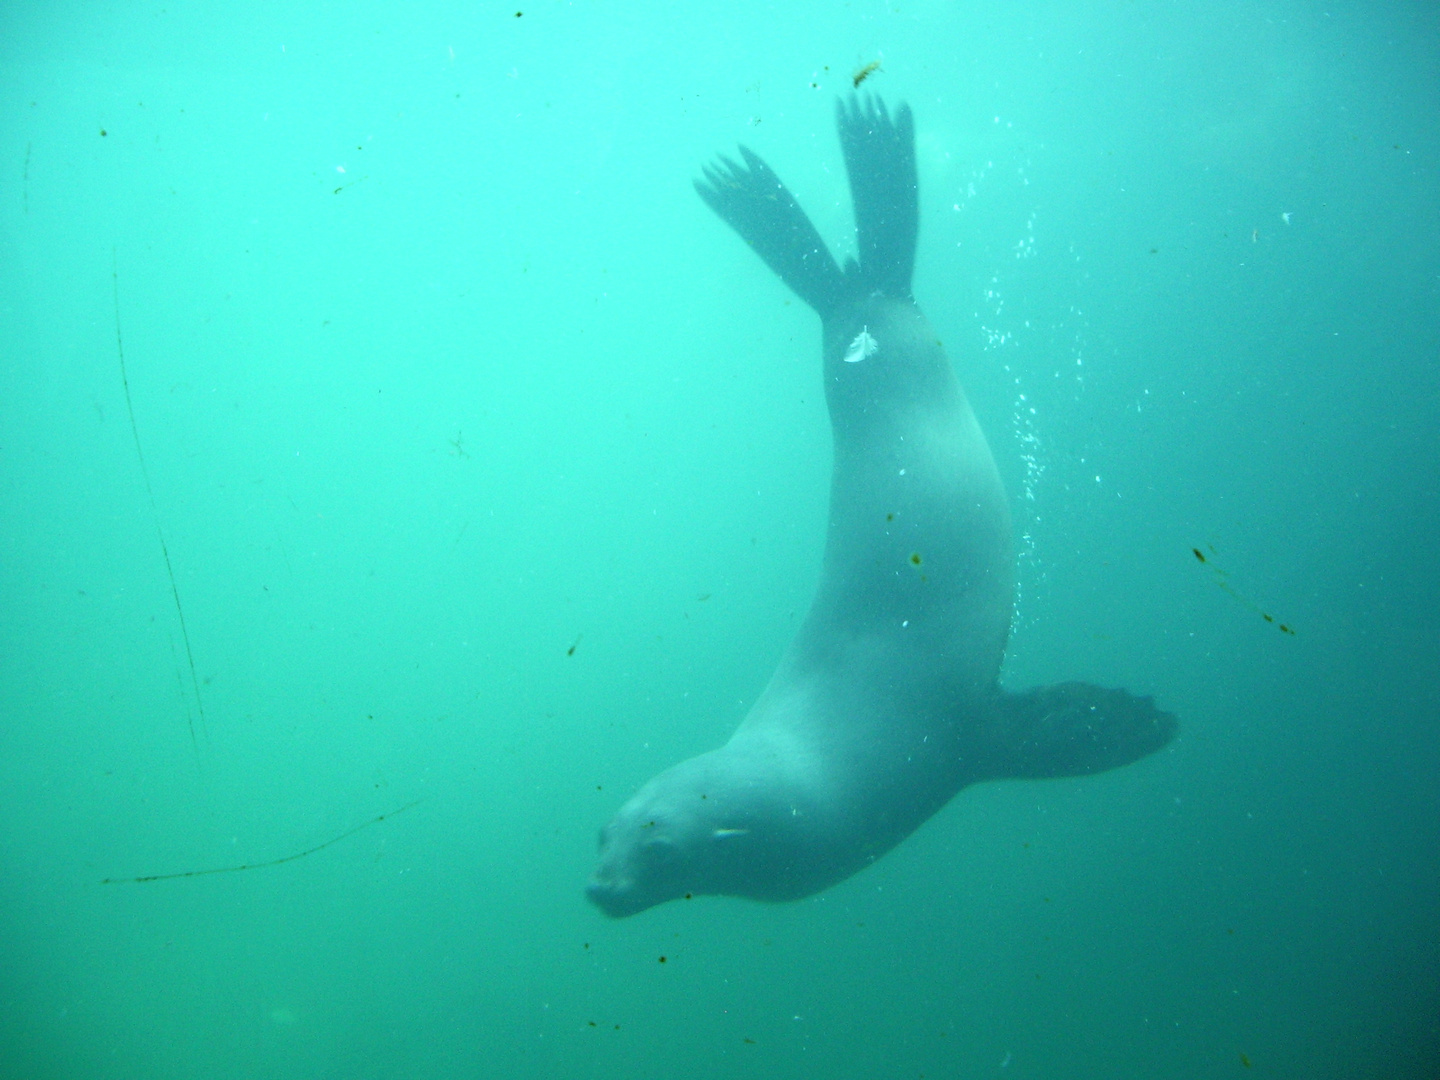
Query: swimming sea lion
[[887, 702]]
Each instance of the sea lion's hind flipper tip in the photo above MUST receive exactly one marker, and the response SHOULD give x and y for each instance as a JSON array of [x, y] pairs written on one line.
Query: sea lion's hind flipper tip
[[880, 159], [1074, 729], [754, 202]]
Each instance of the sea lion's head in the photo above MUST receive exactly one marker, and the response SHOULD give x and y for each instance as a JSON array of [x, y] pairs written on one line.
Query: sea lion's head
[[690, 831]]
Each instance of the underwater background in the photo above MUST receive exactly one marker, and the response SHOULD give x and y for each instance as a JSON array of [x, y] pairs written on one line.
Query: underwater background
[[478, 472]]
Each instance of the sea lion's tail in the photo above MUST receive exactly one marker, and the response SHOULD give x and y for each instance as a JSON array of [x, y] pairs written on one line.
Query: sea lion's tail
[[880, 158], [1073, 729]]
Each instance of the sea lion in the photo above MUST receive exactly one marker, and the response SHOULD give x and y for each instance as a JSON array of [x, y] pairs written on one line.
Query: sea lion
[[887, 702]]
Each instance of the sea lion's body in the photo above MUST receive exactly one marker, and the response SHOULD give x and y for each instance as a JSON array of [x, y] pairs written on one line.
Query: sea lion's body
[[887, 701]]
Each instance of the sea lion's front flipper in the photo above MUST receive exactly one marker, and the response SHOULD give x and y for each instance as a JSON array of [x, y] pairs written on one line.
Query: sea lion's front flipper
[[1073, 729]]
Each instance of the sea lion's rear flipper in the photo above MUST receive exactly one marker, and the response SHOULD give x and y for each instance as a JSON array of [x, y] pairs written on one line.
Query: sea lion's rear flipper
[[1075, 728], [754, 203], [880, 158]]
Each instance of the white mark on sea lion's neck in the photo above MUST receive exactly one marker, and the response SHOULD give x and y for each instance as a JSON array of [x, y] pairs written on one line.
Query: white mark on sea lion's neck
[[864, 345]]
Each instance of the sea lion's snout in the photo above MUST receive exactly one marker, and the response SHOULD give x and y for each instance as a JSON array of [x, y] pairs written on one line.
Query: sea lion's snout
[[612, 887], [641, 863], [617, 902], [615, 890]]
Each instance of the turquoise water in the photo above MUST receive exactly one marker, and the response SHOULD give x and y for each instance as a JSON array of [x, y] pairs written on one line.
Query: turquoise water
[[491, 471]]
